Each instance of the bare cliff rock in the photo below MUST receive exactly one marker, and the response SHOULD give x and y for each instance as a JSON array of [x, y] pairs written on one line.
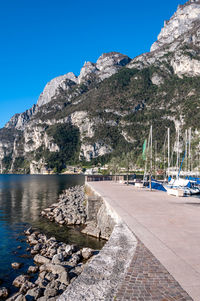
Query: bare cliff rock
[[107, 110], [177, 47], [181, 22]]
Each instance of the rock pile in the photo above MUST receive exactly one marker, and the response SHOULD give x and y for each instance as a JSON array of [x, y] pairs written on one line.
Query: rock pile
[[57, 264], [70, 209]]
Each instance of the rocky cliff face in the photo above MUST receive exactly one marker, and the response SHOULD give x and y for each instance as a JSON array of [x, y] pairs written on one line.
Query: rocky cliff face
[[19, 121], [181, 22], [108, 108], [107, 65], [53, 88], [177, 47]]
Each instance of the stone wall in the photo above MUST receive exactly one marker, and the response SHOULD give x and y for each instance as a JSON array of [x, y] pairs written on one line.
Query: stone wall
[[100, 222], [101, 276]]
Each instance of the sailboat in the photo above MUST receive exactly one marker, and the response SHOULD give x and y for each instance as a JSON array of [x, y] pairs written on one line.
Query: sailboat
[[180, 186]]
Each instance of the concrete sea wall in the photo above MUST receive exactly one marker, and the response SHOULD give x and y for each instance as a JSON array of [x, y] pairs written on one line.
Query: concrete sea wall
[[102, 275]]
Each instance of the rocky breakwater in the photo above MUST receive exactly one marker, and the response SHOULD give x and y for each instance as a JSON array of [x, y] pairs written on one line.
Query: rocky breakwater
[[70, 208], [78, 206], [57, 264]]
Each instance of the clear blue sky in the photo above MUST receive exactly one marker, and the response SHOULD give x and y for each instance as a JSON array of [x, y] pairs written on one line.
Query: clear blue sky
[[42, 39]]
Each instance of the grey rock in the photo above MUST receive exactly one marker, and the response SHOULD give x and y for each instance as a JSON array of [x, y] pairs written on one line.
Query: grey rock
[[62, 287], [181, 22], [51, 277], [37, 247], [52, 88], [20, 280], [41, 259], [70, 249], [50, 292], [54, 285], [16, 265], [32, 240], [26, 286], [42, 275], [87, 253], [33, 269], [57, 258], [20, 297], [14, 297], [3, 292], [19, 121], [42, 299], [57, 269], [34, 294], [42, 283]]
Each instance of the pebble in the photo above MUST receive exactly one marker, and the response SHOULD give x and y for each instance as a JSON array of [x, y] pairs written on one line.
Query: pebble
[[16, 265]]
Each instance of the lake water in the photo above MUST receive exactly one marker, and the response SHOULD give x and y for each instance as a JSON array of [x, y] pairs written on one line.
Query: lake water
[[22, 197]]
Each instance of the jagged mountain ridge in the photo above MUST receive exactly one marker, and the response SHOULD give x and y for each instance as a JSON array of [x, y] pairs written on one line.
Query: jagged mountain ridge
[[111, 104]]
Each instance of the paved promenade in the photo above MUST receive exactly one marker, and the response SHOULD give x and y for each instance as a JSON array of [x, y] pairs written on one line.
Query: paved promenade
[[168, 226]]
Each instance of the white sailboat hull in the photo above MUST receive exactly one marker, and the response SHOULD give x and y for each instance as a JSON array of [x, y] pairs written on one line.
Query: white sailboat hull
[[176, 192]]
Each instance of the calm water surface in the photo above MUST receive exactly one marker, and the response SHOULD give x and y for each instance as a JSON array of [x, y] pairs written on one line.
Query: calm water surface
[[22, 197]]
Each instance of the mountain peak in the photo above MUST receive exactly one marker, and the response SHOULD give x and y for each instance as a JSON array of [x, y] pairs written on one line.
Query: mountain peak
[[182, 21]]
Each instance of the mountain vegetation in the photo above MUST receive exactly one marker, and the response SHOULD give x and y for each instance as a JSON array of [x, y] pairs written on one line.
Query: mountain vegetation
[[108, 109]]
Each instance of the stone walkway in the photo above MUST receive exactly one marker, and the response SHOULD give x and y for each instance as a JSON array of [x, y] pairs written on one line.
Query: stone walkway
[[168, 226], [148, 280]]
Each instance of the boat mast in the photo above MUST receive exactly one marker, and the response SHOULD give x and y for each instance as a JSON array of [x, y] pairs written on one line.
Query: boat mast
[[186, 149], [151, 157], [189, 165], [177, 161], [168, 135], [155, 165]]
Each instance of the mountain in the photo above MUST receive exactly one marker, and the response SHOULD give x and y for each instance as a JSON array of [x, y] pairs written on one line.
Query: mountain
[[109, 107]]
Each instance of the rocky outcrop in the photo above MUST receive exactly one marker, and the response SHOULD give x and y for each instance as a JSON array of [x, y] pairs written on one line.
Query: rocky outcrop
[[89, 151], [177, 45], [19, 121], [181, 22], [64, 82], [107, 65]]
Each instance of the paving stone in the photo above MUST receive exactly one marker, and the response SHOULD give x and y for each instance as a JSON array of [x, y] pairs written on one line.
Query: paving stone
[[148, 280]]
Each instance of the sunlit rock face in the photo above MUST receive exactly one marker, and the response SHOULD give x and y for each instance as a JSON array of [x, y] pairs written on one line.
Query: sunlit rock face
[[107, 65], [53, 88], [103, 108], [182, 21], [18, 121], [177, 49], [90, 151]]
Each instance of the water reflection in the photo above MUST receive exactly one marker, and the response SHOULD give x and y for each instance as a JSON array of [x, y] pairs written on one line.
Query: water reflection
[[22, 198]]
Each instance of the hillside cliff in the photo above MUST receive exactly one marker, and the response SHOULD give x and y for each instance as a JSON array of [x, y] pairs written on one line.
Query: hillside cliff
[[108, 108]]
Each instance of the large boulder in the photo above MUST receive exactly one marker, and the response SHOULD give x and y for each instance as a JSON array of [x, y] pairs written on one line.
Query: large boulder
[[62, 273], [41, 259], [3, 293], [20, 280]]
